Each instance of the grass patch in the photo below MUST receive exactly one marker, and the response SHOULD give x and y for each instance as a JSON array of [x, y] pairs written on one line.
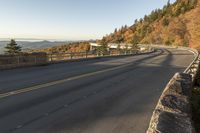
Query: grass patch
[[195, 102]]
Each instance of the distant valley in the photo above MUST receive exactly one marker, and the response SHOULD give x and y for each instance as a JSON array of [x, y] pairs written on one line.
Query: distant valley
[[26, 45]]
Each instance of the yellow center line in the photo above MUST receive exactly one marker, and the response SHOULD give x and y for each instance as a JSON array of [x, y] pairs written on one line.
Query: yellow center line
[[37, 87]]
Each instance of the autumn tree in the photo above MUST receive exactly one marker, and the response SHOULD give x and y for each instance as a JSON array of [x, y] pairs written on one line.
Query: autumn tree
[[135, 40], [165, 21]]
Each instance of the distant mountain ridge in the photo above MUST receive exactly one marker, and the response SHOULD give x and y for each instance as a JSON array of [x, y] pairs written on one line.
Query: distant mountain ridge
[[34, 45]]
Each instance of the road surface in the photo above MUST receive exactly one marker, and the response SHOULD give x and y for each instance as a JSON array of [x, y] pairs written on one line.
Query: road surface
[[107, 95]]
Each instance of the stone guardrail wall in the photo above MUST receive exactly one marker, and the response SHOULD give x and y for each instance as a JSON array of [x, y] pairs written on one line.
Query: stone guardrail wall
[[9, 62], [173, 112], [13, 61], [57, 57]]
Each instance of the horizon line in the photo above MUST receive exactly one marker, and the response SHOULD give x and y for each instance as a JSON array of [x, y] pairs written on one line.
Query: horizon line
[[43, 39]]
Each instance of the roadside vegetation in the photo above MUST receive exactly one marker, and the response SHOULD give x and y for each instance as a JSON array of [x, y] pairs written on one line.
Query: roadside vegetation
[[195, 101], [66, 48]]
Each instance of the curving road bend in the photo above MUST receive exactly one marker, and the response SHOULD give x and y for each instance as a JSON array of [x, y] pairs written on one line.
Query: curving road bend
[[107, 95]]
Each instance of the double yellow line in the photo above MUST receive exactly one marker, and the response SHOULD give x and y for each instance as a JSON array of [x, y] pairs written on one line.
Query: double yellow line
[[37, 87]]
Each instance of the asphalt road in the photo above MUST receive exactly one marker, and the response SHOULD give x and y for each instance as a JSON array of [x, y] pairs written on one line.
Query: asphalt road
[[107, 95]]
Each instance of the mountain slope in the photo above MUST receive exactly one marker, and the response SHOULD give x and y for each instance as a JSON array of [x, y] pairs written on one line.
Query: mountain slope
[[176, 24], [193, 26]]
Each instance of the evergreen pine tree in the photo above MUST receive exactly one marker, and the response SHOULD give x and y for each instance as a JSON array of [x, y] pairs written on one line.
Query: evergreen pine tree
[[104, 46], [12, 48]]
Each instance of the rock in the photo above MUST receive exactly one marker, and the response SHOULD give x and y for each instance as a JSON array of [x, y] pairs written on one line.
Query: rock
[[174, 103], [167, 122]]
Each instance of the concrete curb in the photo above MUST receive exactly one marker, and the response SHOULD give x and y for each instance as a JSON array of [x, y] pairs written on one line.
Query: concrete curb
[[172, 113]]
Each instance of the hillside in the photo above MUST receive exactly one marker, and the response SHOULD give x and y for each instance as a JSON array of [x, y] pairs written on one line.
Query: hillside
[[176, 24], [65, 48]]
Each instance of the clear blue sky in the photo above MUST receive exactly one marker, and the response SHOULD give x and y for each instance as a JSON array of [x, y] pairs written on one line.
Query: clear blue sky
[[70, 19]]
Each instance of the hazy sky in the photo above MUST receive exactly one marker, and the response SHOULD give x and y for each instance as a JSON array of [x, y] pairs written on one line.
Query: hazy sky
[[69, 19]]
